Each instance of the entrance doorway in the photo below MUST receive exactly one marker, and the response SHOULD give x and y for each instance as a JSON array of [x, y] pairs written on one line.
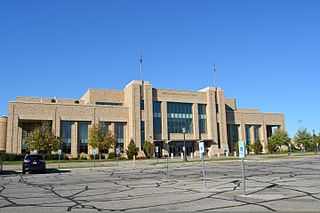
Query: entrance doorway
[[176, 147]]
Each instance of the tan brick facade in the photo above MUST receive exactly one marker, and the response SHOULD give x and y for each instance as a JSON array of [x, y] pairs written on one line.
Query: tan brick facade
[[223, 118]]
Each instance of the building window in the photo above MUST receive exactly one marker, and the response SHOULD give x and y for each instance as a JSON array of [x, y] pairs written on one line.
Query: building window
[[109, 103], [66, 136], [157, 127], [202, 118], [141, 104], [119, 128], [83, 136], [218, 133], [235, 133], [179, 116], [106, 125], [142, 134], [248, 139], [256, 132]]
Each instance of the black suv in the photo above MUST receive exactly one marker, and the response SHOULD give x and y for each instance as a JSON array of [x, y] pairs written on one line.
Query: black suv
[[33, 163]]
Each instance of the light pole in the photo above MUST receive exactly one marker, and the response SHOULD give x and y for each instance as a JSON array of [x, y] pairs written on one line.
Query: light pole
[[314, 142], [184, 144]]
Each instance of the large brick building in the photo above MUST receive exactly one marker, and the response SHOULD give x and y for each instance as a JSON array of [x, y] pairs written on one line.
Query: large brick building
[[142, 113]]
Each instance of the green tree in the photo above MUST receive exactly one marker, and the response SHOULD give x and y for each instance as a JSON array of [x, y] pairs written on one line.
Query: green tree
[[305, 139], [132, 149], [148, 149], [279, 138], [43, 139], [100, 138]]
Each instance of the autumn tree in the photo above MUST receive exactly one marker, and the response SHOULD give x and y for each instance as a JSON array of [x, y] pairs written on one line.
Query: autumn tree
[[43, 139], [100, 138], [148, 149]]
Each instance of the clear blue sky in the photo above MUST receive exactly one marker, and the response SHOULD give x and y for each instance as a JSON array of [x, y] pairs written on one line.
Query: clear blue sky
[[267, 52]]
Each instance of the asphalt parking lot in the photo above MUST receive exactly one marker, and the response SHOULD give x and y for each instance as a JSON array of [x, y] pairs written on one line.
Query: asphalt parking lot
[[277, 184]]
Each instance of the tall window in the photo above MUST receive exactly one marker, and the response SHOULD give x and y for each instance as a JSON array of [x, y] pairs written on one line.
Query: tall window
[[157, 127], [179, 116], [235, 135], [66, 136], [106, 125], [256, 132], [248, 139], [83, 136], [119, 127], [141, 104], [202, 118]]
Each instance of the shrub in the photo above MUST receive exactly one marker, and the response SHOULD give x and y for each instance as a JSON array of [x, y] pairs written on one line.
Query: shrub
[[236, 147], [11, 156], [148, 149], [257, 147], [112, 155], [132, 149]]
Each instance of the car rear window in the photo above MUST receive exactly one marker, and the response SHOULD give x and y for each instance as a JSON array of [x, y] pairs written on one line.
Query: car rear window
[[34, 157]]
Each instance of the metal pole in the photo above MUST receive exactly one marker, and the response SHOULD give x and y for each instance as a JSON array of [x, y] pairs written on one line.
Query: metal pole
[[94, 160], [59, 162], [117, 158], [204, 171], [184, 141], [167, 168], [244, 178]]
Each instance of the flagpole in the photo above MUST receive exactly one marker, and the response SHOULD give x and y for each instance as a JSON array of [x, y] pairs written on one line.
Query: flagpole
[[140, 65], [214, 75]]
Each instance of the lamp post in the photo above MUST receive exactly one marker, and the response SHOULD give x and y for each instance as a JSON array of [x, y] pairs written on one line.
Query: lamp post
[[184, 144], [314, 142]]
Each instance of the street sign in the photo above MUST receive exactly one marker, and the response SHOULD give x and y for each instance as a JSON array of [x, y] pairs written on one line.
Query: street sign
[[241, 149], [94, 152], [157, 149], [118, 151], [201, 147], [59, 152]]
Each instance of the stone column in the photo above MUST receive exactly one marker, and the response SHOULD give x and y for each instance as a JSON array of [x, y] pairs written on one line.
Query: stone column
[[251, 130], [74, 140], [148, 111], [3, 134], [89, 147], [211, 115], [241, 135], [164, 120], [223, 118], [132, 100], [263, 137], [195, 121]]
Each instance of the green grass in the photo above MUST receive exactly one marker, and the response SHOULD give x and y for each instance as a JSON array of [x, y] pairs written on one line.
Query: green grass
[[195, 161]]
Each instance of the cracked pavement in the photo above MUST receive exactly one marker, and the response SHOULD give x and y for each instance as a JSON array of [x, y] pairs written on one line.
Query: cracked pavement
[[272, 185]]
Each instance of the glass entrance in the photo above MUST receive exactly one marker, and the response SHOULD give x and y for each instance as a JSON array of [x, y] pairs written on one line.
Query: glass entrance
[[176, 147]]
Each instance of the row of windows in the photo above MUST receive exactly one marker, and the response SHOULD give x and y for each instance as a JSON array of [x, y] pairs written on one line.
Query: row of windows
[[179, 116], [109, 103], [157, 127], [202, 114], [83, 128]]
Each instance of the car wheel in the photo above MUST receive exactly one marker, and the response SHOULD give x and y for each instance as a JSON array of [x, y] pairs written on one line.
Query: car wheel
[[23, 172]]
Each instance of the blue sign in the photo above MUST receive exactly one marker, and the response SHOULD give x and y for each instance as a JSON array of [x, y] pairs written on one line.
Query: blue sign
[[201, 147], [94, 152], [242, 149]]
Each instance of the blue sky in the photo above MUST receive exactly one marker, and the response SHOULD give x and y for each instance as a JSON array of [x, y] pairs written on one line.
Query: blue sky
[[267, 52]]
